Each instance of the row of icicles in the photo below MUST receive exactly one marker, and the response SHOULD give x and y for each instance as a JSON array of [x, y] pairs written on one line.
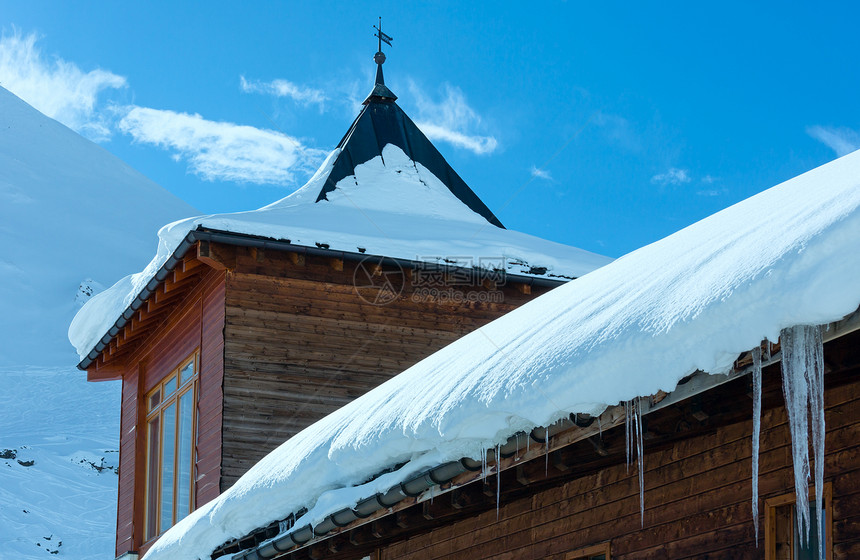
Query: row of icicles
[[802, 366]]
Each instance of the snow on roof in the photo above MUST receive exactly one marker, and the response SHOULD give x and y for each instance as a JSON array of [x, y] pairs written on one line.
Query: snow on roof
[[694, 300], [391, 206]]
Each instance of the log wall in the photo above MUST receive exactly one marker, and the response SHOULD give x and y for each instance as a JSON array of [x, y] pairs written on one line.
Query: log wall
[[195, 322], [301, 342], [697, 500]]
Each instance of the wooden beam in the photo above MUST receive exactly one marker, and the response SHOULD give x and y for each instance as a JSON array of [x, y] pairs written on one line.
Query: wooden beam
[[336, 264], [258, 254], [297, 259], [163, 295], [425, 511], [523, 288], [217, 256], [130, 335], [317, 551], [558, 461], [459, 498], [151, 311], [171, 285], [104, 373], [190, 263], [182, 272]]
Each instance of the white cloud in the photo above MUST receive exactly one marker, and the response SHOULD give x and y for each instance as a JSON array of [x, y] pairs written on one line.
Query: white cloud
[[222, 150], [477, 144], [538, 173], [841, 140], [283, 88], [710, 192], [708, 180], [673, 176], [451, 120], [617, 131], [57, 88]]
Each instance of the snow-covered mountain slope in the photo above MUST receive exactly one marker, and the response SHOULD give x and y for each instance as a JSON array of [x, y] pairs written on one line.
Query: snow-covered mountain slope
[[58, 457], [70, 213]]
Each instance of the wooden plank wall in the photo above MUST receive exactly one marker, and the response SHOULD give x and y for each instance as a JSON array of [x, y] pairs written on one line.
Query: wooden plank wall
[[300, 343], [697, 499], [196, 322]]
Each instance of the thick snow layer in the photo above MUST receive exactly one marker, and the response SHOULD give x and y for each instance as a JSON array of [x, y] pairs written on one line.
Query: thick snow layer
[[693, 300], [69, 211], [391, 206]]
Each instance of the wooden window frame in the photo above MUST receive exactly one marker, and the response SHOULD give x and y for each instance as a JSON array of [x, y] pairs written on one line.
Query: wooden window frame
[[585, 552], [182, 388], [770, 506]]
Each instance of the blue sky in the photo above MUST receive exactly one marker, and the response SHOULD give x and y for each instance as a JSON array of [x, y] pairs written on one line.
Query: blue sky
[[604, 125]]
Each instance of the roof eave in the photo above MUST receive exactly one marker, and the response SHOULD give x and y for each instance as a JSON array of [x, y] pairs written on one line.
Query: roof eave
[[261, 242]]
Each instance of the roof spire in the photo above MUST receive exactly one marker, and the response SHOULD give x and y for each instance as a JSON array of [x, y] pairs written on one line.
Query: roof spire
[[380, 91]]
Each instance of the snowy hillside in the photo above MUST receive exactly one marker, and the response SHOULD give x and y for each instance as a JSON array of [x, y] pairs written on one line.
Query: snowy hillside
[[70, 213], [58, 460]]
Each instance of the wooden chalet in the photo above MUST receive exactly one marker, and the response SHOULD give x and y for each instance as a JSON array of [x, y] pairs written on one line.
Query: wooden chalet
[[242, 339], [575, 490]]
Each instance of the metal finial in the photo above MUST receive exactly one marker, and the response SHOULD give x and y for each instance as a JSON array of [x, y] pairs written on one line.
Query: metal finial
[[380, 92], [379, 57]]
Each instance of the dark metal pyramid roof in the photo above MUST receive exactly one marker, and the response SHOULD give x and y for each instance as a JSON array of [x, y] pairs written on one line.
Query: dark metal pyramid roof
[[382, 122]]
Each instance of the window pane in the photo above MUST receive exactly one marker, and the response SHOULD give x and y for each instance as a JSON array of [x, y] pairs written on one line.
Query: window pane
[[187, 372], [169, 387], [807, 548], [152, 480], [185, 449], [168, 457], [154, 400]]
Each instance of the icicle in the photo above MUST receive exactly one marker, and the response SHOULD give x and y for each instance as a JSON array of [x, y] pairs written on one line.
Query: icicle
[[546, 443], [640, 458], [803, 386], [814, 349], [756, 435], [627, 432], [484, 471], [498, 478], [600, 428]]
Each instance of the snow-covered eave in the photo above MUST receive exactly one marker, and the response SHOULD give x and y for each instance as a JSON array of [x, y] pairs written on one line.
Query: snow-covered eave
[[202, 233], [428, 484]]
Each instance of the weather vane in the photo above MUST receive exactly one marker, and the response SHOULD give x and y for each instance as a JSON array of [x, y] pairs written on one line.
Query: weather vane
[[379, 57]]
